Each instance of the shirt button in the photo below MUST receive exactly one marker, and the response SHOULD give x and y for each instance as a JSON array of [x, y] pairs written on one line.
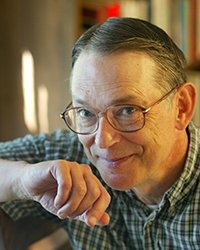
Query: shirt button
[[150, 223]]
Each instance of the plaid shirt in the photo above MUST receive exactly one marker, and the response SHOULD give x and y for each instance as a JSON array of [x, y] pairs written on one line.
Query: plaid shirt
[[174, 224]]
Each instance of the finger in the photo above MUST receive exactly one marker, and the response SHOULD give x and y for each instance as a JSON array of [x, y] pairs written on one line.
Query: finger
[[93, 193], [64, 181], [96, 215], [105, 219], [78, 191], [86, 167], [62, 174]]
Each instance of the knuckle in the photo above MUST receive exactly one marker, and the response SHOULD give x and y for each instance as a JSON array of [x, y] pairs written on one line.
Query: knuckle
[[81, 190], [86, 168], [71, 210], [106, 196], [95, 193], [61, 163], [65, 185], [64, 163], [97, 212]]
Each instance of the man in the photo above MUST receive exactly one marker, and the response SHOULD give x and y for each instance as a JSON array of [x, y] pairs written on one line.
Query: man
[[130, 170]]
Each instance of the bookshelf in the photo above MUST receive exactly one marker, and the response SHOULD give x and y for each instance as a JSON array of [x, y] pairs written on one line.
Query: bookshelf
[[195, 65], [179, 18]]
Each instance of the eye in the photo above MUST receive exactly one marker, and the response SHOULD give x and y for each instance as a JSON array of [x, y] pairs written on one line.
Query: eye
[[85, 113], [126, 111], [129, 110]]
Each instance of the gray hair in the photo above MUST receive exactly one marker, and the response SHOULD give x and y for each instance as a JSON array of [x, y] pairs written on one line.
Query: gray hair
[[132, 34]]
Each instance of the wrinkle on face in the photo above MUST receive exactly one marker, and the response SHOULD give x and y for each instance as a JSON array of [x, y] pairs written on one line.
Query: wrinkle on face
[[99, 80], [134, 96]]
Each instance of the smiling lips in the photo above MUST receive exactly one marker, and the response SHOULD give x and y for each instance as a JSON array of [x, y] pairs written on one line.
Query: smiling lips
[[115, 162]]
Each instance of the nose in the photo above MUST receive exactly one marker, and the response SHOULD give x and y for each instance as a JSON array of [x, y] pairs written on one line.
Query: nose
[[106, 135]]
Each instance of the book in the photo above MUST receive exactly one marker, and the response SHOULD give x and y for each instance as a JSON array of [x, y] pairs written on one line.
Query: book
[[135, 8], [161, 14]]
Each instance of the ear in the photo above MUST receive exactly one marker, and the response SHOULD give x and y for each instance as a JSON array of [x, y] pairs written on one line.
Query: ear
[[186, 100]]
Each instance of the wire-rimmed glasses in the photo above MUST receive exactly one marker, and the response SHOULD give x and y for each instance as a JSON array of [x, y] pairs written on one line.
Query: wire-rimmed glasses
[[122, 117]]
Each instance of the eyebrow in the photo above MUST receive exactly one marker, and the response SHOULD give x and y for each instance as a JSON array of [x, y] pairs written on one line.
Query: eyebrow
[[129, 99]]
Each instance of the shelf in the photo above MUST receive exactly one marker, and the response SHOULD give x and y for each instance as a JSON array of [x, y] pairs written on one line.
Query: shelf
[[194, 66]]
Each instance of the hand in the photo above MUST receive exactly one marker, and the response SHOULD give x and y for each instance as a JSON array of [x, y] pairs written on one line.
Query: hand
[[67, 189]]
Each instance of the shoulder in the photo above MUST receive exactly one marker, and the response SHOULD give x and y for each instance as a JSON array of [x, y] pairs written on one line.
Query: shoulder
[[60, 144], [64, 144]]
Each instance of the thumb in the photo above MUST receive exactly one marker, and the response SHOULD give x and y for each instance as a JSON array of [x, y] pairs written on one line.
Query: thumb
[[91, 220], [105, 219]]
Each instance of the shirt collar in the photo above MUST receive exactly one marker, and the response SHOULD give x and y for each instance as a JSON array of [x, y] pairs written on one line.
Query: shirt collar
[[187, 180]]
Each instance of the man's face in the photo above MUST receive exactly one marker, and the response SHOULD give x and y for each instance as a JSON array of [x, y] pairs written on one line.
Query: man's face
[[125, 160]]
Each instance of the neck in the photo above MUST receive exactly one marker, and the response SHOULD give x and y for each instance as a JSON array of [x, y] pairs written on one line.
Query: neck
[[152, 191]]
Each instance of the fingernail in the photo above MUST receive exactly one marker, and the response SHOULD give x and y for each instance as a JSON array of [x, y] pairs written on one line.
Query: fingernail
[[60, 215], [57, 205], [92, 221]]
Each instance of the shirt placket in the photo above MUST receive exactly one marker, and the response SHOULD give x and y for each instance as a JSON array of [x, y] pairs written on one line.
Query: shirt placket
[[150, 232]]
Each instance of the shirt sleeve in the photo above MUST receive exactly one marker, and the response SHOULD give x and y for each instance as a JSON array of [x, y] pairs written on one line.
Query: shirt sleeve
[[60, 144], [29, 148]]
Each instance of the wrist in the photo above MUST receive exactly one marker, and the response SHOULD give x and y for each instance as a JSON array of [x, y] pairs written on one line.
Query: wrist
[[18, 190]]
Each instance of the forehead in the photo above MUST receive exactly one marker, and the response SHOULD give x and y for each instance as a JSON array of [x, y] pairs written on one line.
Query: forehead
[[114, 76]]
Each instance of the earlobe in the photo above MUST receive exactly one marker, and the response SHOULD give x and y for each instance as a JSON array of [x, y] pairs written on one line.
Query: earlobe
[[186, 100]]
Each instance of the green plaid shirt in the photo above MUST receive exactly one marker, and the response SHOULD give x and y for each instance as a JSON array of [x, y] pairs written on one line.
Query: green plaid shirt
[[174, 224]]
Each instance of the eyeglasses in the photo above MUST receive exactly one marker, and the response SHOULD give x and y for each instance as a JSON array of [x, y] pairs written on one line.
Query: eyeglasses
[[122, 117]]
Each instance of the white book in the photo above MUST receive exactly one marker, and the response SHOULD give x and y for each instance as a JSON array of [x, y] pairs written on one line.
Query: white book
[[161, 14], [134, 8]]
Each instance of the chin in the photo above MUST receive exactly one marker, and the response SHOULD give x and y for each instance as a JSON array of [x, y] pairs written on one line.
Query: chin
[[119, 183]]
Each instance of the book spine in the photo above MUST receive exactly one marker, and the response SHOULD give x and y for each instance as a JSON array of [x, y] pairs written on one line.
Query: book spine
[[193, 30], [198, 30], [185, 36]]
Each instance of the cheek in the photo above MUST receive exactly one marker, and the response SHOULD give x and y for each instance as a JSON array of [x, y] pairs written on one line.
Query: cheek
[[148, 138], [86, 140], [160, 125], [159, 139]]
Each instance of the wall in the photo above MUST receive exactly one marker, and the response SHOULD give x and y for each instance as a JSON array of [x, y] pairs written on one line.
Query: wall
[[47, 29]]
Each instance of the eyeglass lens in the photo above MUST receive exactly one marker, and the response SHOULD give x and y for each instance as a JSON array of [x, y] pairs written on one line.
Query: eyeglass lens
[[121, 117]]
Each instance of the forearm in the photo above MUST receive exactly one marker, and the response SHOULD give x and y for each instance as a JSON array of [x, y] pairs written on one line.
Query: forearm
[[66, 189], [10, 185]]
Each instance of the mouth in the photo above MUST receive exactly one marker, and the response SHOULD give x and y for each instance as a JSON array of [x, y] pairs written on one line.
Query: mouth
[[116, 162]]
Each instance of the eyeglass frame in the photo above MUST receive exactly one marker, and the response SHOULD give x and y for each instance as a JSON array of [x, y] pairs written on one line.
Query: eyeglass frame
[[99, 114]]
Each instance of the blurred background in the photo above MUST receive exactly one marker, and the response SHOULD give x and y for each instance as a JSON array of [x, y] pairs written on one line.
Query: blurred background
[[36, 39], [35, 52]]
